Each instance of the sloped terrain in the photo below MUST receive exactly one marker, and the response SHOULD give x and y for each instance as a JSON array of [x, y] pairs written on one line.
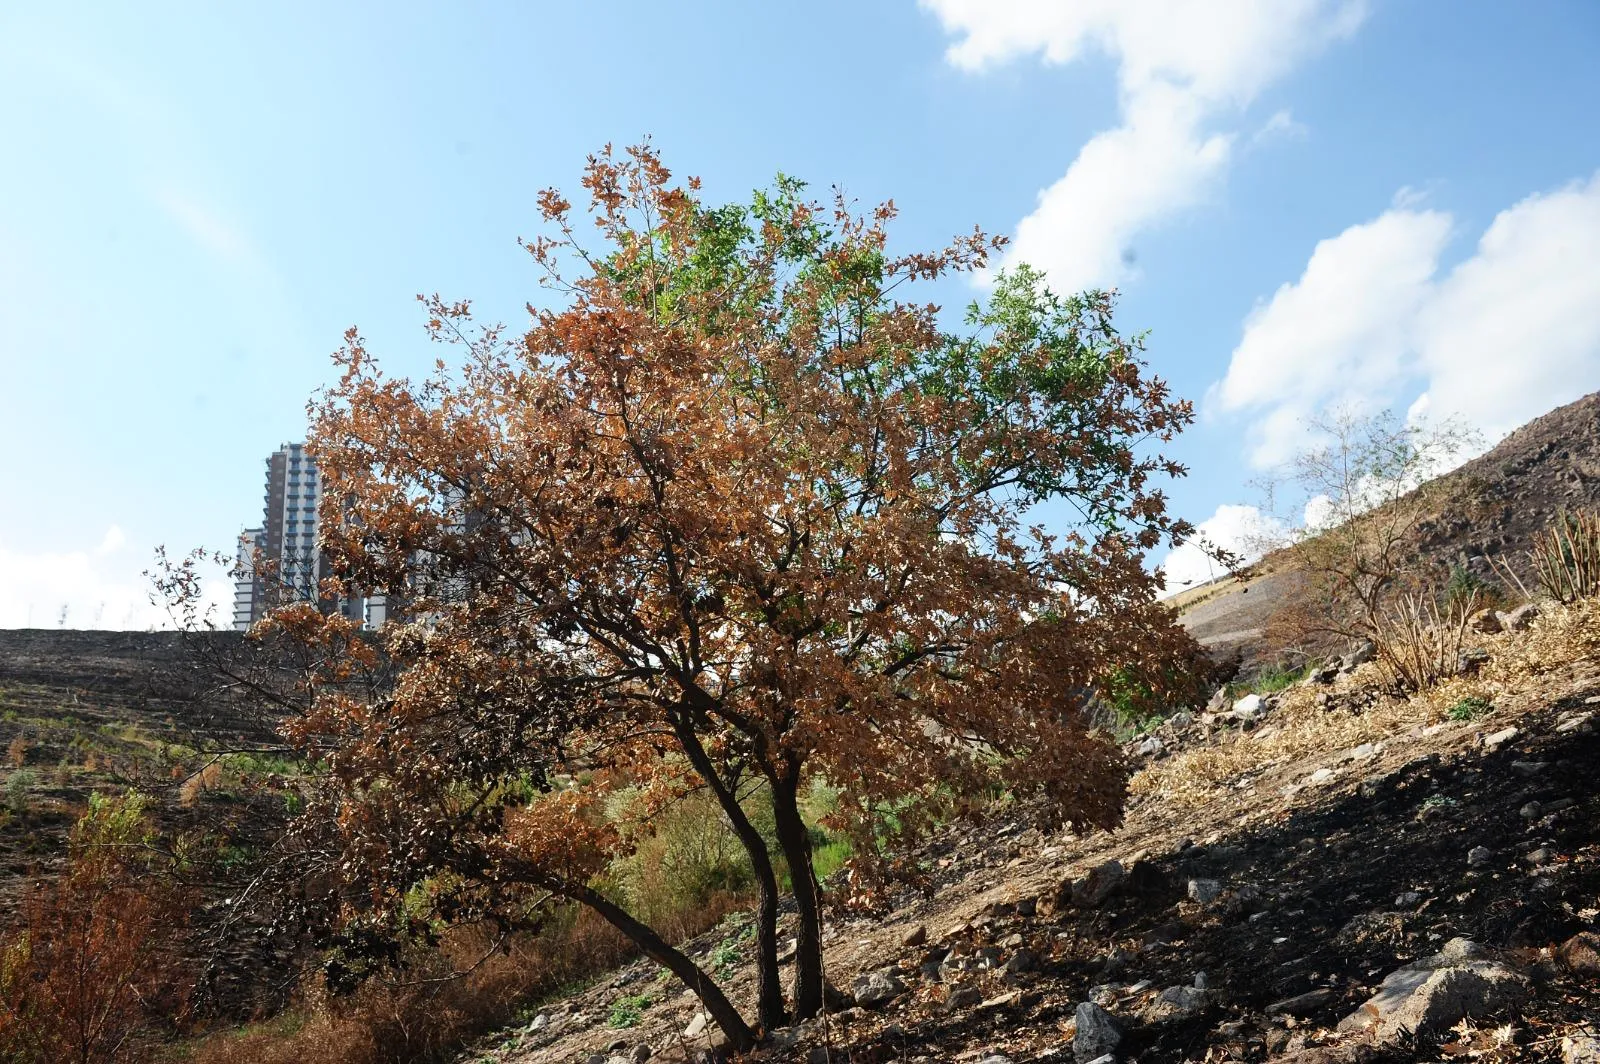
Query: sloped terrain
[[1497, 503], [1275, 867]]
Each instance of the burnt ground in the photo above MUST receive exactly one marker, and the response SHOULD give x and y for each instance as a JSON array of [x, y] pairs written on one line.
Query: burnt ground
[[85, 712], [1312, 877]]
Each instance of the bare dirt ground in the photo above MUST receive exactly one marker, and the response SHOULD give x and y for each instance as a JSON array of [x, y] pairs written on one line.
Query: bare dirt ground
[[1334, 864]]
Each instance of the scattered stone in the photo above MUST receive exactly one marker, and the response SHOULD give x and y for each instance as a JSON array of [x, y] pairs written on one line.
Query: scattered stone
[[1151, 747], [1098, 1034], [1204, 891], [1528, 769], [1092, 890], [1027, 907], [1500, 738], [1575, 722], [1362, 653], [962, 997], [1409, 900], [915, 937], [1301, 1005], [1321, 776], [1558, 805], [1581, 1047], [1530, 811], [1021, 961], [1249, 708], [1428, 996], [640, 1054], [1542, 856], [1471, 661], [1201, 980], [1580, 954], [1177, 1002], [1488, 622], [1479, 856], [697, 1026], [995, 1058], [1520, 618], [877, 988]]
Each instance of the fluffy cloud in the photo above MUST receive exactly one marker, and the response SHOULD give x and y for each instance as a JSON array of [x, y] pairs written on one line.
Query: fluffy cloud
[[1242, 530], [1180, 66], [1338, 335], [1509, 333], [101, 587]]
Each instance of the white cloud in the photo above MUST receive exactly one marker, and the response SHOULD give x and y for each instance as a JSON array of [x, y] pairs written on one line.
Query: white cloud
[[1512, 331], [100, 587], [1241, 530], [1515, 329], [1180, 66], [1281, 124], [1339, 334]]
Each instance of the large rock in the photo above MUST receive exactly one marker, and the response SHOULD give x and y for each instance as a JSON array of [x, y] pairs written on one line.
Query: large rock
[[1521, 617], [1098, 1034], [877, 988], [1092, 890], [1177, 1003], [1428, 996], [1580, 954]]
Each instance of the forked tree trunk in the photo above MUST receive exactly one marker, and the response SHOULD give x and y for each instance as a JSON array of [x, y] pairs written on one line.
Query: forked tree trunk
[[770, 1010], [795, 840], [717, 1005]]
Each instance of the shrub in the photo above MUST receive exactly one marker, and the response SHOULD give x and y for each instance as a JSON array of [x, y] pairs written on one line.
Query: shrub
[[628, 1010], [1466, 586], [1566, 557], [95, 960], [1419, 641], [1469, 708]]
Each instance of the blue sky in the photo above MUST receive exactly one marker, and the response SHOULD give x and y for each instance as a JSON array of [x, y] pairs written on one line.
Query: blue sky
[[1306, 203]]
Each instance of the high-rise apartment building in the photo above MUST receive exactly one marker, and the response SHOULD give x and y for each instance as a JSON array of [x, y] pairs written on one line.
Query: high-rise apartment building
[[291, 567]]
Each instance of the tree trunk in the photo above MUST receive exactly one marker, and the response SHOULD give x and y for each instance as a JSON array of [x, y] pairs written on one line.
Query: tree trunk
[[769, 983], [716, 1003], [795, 840]]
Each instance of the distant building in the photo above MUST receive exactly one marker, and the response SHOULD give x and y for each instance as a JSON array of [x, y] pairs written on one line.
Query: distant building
[[280, 561]]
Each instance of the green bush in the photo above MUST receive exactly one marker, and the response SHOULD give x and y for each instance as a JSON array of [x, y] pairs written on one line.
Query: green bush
[[628, 1010], [1469, 708]]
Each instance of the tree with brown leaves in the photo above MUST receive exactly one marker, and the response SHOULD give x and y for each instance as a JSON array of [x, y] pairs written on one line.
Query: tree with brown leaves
[[731, 516]]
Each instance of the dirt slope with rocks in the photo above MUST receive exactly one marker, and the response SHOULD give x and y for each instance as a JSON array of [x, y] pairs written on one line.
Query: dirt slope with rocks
[[1497, 503], [1329, 874]]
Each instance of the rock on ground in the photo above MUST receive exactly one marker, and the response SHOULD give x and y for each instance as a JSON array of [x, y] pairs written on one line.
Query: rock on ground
[[1426, 997], [1098, 1034]]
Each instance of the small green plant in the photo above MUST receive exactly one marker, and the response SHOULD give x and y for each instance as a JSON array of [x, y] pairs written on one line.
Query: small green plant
[[628, 1010], [1469, 708], [18, 784], [1439, 801], [1268, 681], [725, 958], [1466, 590]]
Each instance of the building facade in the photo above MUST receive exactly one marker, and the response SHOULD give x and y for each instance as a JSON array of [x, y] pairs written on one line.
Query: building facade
[[280, 561]]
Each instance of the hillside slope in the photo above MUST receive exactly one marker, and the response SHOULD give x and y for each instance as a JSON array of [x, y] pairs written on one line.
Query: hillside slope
[[1272, 872], [1497, 503]]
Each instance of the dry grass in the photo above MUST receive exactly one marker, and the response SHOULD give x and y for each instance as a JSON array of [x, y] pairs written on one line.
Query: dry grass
[[1521, 676], [425, 1015]]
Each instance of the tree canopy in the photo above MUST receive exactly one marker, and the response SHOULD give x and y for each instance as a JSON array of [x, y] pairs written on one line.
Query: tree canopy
[[731, 515]]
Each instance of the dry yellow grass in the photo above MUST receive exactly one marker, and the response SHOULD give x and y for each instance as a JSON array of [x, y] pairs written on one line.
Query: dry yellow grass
[[1526, 670]]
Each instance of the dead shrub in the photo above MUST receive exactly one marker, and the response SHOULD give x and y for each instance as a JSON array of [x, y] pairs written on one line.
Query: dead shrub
[[191, 789], [446, 996], [1566, 557], [96, 962], [17, 752], [1419, 641]]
